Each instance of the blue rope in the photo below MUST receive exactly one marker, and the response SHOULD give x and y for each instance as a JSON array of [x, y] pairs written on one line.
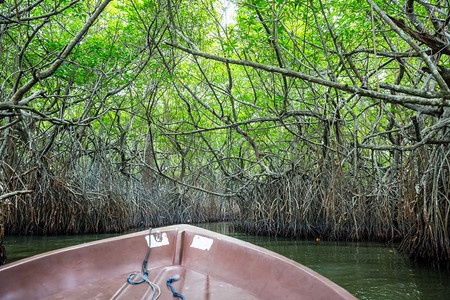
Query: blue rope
[[174, 292], [144, 276]]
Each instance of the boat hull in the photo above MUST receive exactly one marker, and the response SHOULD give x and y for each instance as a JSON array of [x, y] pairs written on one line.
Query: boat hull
[[210, 266]]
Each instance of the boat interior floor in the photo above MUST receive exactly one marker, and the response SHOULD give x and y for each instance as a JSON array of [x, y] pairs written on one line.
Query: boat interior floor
[[210, 266], [193, 285]]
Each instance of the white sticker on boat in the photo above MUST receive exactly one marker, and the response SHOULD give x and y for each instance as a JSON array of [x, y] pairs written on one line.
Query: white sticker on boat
[[159, 241], [201, 242]]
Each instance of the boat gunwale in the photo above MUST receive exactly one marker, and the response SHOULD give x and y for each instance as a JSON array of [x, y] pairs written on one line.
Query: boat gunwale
[[180, 230]]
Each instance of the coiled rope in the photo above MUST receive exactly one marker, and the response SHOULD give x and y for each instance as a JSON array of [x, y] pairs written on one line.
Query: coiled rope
[[144, 276]]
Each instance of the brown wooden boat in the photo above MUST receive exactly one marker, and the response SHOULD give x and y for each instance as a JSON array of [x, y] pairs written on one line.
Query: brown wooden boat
[[209, 266]]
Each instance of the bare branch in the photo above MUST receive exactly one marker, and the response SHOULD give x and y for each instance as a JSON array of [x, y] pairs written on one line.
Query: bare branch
[[422, 100], [61, 57], [410, 41], [12, 194]]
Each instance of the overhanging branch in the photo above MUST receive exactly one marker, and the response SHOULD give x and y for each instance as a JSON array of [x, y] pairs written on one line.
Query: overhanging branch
[[441, 99]]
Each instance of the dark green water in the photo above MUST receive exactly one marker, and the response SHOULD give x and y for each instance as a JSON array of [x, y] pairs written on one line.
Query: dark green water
[[367, 270]]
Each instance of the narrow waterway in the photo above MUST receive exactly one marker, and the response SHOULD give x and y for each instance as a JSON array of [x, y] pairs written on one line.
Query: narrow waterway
[[367, 270]]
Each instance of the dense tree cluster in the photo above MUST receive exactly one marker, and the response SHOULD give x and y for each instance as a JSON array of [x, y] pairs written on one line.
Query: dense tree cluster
[[297, 118]]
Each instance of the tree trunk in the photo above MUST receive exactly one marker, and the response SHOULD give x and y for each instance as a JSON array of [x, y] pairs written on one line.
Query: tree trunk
[[147, 173]]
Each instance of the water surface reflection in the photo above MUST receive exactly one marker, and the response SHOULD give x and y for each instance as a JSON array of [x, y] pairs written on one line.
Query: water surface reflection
[[368, 270]]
